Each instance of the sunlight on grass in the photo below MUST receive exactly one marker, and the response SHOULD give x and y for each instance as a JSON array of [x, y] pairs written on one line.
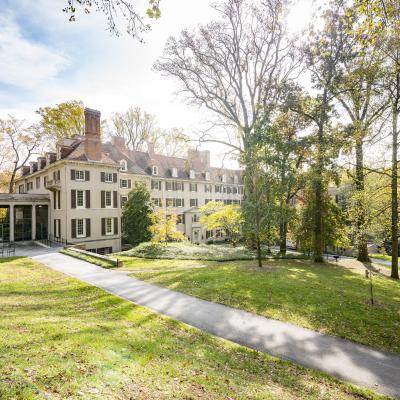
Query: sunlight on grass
[[63, 339], [326, 298]]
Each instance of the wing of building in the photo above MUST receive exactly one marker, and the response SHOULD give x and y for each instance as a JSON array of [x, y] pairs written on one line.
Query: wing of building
[[76, 194]]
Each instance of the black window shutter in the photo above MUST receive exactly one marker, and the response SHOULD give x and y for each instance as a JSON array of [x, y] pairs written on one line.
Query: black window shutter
[[72, 174], [115, 177], [103, 177], [87, 196], [103, 226], [116, 226], [87, 176], [88, 227], [129, 184], [58, 175], [103, 199], [55, 200], [54, 228], [115, 199], [73, 198], [59, 199], [73, 228]]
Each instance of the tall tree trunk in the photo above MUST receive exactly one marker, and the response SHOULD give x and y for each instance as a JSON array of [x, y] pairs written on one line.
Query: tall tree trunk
[[395, 213], [360, 218], [12, 180], [282, 237]]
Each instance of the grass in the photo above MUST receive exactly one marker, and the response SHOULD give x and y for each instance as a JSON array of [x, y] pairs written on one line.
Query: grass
[[90, 259], [188, 251], [63, 339], [326, 298]]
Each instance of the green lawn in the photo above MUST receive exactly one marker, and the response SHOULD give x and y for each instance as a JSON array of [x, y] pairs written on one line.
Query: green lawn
[[188, 251], [326, 298], [63, 339]]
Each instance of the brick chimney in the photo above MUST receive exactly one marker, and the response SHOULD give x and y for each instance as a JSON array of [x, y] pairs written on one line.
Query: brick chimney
[[92, 135], [150, 149], [118, 142]]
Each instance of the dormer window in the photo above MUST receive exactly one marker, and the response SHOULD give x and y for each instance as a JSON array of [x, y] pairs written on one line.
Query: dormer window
[[235, 179], [207, 176], [174, 172], [154, 170], [124, 165], [223, 178], [192, 174]]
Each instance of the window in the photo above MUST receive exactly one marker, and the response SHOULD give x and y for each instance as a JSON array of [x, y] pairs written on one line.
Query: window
[[209, 234], [79, 175], [168, 186], [108, 199], [109, 226], [21, 188], [193, 202], [180, 202], [80, 198], [154, 170], [180, 219], [235, 179], [207, 176], [207, 188], [172, 185], [156, 185], [29, 186], [218, 188], [228, 190], [157, 202], [38, 182], [234, 190], [192, 174], [224, 189], [124, 166], [124, 183], [108, 177], [175, 172], [195, 218], [80, 228], [193, 187], [223, 178], [124, 199], [170, 202]]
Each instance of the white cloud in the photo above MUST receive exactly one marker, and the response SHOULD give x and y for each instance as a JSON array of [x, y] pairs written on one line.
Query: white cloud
[[24, 63]]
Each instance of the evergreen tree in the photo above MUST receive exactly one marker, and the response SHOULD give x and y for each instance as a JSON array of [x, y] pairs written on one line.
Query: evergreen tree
[[136, 215]]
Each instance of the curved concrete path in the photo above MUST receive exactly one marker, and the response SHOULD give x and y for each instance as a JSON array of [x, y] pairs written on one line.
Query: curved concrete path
[[346, 360]]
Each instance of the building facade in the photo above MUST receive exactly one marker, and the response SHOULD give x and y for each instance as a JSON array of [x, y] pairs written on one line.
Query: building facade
[[87, 183]]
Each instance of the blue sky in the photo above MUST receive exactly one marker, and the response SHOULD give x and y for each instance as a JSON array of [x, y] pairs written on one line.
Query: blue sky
[[45, 59]]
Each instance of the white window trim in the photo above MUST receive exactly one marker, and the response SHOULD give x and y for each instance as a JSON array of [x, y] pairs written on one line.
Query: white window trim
[[83, 234], [112, 226], [154, 170], [124, 199], [192, 174], [77, 172], [107, 175], [83, 199], [126, 183], [175, 172], [105, 199], [207, 176], [124, 166]]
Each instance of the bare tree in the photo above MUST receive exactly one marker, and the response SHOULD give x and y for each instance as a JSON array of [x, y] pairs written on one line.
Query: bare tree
[[115, 10], [235, 66], [173, 142], [136, 126], [18, 144]]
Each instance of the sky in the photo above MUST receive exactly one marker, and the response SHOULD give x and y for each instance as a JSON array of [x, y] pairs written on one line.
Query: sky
[[45, 60]]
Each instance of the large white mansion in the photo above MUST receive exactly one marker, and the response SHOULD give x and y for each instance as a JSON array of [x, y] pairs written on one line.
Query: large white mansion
[[75, 195]]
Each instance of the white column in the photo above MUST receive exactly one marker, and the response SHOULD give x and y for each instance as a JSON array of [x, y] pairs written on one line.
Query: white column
[[33, 222], [11, 218]]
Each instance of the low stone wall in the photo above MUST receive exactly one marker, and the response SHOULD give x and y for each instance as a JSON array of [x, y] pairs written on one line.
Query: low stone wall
[[113, 260]]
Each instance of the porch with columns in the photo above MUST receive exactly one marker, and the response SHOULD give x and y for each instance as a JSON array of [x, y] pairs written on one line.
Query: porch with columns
[[14, 208]]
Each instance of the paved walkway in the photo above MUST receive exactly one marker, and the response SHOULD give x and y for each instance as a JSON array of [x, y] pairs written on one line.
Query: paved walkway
[[351, 362]]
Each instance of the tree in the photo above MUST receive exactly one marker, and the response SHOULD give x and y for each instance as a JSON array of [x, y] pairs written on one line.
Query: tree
[[136, 214], [64, 120], [357, 88], [172, 143], [234, 66], [18, 143], [115, 10], [382, 25], [228, 218], [136, 126], [163, 228]]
